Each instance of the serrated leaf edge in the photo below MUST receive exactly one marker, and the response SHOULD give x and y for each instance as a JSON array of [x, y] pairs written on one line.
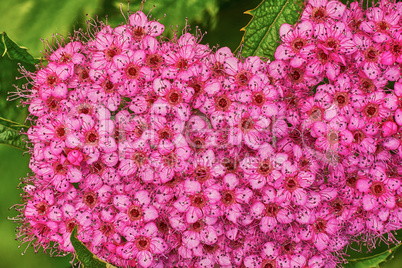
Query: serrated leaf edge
[[248, 12]]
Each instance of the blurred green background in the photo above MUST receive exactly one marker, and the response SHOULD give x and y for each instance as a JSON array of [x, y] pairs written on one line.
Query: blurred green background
[[26, 22]]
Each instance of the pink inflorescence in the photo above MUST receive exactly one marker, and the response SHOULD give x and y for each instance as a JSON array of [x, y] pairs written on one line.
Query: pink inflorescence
[[168, 153]]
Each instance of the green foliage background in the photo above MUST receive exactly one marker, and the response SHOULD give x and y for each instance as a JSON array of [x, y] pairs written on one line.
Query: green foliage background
[[28, 21]]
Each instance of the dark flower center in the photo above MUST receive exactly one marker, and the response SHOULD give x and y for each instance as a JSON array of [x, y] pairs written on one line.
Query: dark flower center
[[322, 56], [377, 188], [82, 73], [70, 224], [181, 64], [107, 229], [228, 197], [52, 103], [163, 227], [258, 99], [382, 26], [198, 200], [320, 225], [398, 200], [264, 168], [139, 158], [222, 103], [246, 124], [211, 249], [333, 43], [371, 54], [108, 86], [268, 264], [291, 184], [230, 164], [318, 14], [170, 160], [174, 97], [84, 109], [197, 226], [132, 71], [332, 137], [298, 44], [296, 75], [134, 213], [271, 210], [288, 247], [65, 57], [341, 99], [97, 167], [42, 208], [51, 80], [60, 132], [358, 136], [351, 180], [198, 144], [366, 85], [91, 137], [154, 61], [138, 33], [111, 52], [396, 48], [242, 78], [316, 114], [371, 110], [202, 174], [165, 134], [143, 243], [337, 206], [218, 69], [90, 199]]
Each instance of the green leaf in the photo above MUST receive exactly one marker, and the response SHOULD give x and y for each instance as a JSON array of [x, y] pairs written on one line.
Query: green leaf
[[15, 52], [10, 134], [201, 12], [84, 255], [370, 261], [261, 37], [11, 56], [29, 21]]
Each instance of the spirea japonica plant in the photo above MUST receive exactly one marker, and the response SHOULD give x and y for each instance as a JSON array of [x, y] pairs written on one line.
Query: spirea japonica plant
[[169, 153]]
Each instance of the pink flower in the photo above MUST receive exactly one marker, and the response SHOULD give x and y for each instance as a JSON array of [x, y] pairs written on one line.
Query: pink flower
[[319, 11], [197, 203], [93, 137], [51, 80], [145, 245], [378, 189], [368, 56], [140, 27], [333, 135], [294, 39], [269, 213], [292, 187], [380, 23], [232, 197], [134, 158], [106, 46], [247, 127]]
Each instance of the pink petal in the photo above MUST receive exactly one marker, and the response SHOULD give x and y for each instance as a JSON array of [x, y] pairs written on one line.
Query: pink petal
[[193, 214], [158, 245], [145, 258], [191, 239], [369, 202]]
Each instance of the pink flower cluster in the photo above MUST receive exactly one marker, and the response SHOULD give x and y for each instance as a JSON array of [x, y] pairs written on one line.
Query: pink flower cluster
[[168, 153]]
